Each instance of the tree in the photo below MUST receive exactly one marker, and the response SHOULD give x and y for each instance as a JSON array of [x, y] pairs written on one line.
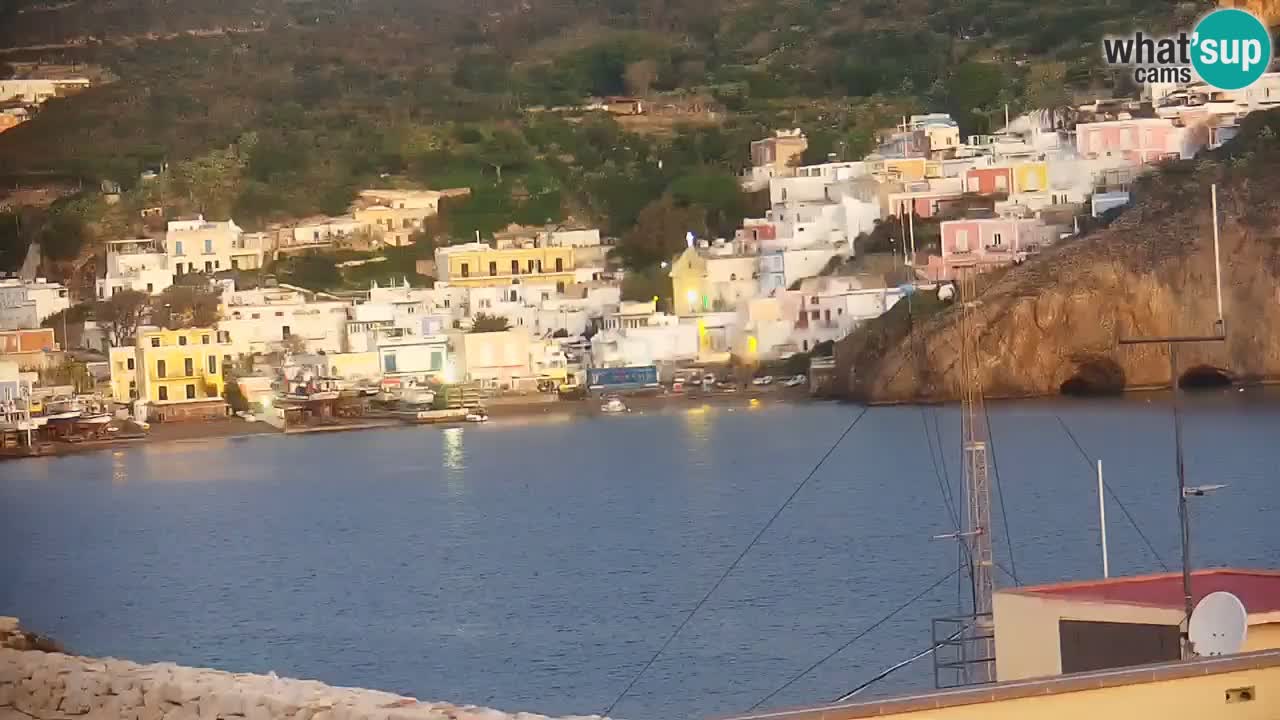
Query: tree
[[660, 232], [71, 321], [185, 306], [646, 285], [504, 149], [484, 323], [1047, 94], [121, 314]]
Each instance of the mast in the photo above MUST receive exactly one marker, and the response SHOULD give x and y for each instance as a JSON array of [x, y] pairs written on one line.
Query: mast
[[977, 488]]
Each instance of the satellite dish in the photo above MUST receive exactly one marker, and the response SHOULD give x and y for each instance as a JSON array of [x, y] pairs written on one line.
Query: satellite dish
[[1218, 625]]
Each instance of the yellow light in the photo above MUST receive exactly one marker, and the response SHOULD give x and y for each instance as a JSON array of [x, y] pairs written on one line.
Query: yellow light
[[752, 344], [655, 298]]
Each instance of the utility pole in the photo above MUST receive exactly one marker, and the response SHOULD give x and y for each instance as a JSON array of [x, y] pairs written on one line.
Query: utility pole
[[1172, 343]]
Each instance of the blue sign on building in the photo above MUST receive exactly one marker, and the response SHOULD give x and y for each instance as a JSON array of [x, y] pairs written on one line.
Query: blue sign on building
[[623, 378]]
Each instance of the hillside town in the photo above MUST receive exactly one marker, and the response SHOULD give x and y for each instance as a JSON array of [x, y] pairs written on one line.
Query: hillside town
[[538, 313]]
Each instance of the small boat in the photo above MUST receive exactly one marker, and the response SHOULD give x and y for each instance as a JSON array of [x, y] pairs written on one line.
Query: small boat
[[613, 405], [94, 419], [477, 416]]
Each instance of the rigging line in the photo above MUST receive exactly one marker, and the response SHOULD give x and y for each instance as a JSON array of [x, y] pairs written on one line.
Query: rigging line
[[1004, 516], [898, 666], [946, 501], [1089, 461], [821, 461], [942, 460], [854, 639]]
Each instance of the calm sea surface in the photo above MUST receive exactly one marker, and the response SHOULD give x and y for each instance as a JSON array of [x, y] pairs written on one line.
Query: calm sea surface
[[535, 565]]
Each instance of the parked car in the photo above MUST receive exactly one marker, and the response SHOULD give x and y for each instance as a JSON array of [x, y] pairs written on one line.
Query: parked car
[[795, 381], [763, 380]]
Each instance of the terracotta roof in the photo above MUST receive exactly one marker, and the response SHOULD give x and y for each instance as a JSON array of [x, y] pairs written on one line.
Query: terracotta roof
[[1037, 687], [1259, 590]]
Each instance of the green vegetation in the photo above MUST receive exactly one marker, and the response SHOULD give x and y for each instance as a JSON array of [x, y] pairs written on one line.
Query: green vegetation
[[485, 323], [287, 107]]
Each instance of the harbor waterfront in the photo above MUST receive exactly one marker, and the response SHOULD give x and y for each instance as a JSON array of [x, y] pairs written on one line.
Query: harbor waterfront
[[536, 563]]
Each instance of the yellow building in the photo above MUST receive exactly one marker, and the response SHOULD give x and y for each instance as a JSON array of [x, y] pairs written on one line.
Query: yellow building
[[1100, 624], [898, 169], [479, 265], [1030, 177], [703, 282], [177, 373], [1233, 687]]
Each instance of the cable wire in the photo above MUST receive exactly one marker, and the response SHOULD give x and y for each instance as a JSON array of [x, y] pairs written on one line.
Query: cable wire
[[855, 638], [933, 458], [1004, 516], [898, 666], [1089, 461], [734, 564]]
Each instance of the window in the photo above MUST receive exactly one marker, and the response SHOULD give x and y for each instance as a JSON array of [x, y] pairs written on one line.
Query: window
[[150, 288], [813, 314], [839, 311], [133, 390], [530, 270], [284, 332], [256, 316], [813, 299], [493, 267], [515, 267], [733, 277], [191, 391], [559, 264], [163, 393], [1002, 183], [208, 266], [182, 339], [155, 342], [128, 363], [189, 366], [446, 303], [996, 240], [177, 250], [466, 270], [513, 296], [560, 287], [406, 224], [962, 241], [213, 364], [279, 313], [805, 346], [204, 339], [539, 266], [224, 336], [389, 362], [160, 368], [315, 236], [208, 246], [217, 265]]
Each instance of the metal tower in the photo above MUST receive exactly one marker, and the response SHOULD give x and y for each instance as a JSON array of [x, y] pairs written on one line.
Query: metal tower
[[966, 645]]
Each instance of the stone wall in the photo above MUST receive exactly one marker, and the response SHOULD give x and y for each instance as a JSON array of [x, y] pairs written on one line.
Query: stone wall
[[56, 686]]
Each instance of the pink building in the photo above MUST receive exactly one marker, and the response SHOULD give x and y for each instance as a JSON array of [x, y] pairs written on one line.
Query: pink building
[[987, 243], [1139, 140], [989, 180]]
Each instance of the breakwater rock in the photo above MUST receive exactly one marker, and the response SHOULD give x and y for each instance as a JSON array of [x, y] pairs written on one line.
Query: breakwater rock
[[1053, 324], [55, 686]]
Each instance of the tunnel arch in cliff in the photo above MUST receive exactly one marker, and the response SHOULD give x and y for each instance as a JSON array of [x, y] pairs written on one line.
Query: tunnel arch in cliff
[[1094, 375], [1201, 377]]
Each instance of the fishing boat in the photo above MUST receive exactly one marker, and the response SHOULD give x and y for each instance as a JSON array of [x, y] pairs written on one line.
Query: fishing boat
[[477, 415], [613, 405]]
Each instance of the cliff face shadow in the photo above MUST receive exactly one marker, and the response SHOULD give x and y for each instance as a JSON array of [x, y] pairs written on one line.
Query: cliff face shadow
[[1095, 375]]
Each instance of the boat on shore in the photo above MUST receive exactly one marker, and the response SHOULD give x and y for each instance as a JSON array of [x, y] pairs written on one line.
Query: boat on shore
[[613, 405]]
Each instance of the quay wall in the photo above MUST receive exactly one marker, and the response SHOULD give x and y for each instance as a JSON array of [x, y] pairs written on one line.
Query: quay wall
[[55, 686]]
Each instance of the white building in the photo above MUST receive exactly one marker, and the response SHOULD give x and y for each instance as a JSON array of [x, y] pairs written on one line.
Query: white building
[[829, 308], [25, 305], [320, 231], [634, 334], [37, 91], [579, 238], [494, 359], [139, 264], [268, 319], [195, 245]]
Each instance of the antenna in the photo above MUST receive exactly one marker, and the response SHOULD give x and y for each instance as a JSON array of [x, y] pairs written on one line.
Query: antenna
[[1219, 625]]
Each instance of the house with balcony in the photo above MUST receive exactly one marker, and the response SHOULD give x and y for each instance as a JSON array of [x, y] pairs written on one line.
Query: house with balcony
[[478, 264], [1139, 141], [173, 374], [194, 245], [265, 320], [987, 243], [138, 264], [829, 308]]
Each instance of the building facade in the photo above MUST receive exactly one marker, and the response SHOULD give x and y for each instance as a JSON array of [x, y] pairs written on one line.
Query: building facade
[[176, 374], [479, 265]]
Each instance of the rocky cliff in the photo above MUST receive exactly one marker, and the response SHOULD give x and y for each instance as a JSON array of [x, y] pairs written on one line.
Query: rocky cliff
[[1053, 323], [1268, 10]]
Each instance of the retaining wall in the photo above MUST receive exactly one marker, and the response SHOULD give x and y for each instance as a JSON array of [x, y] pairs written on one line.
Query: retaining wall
[[55, 686]]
